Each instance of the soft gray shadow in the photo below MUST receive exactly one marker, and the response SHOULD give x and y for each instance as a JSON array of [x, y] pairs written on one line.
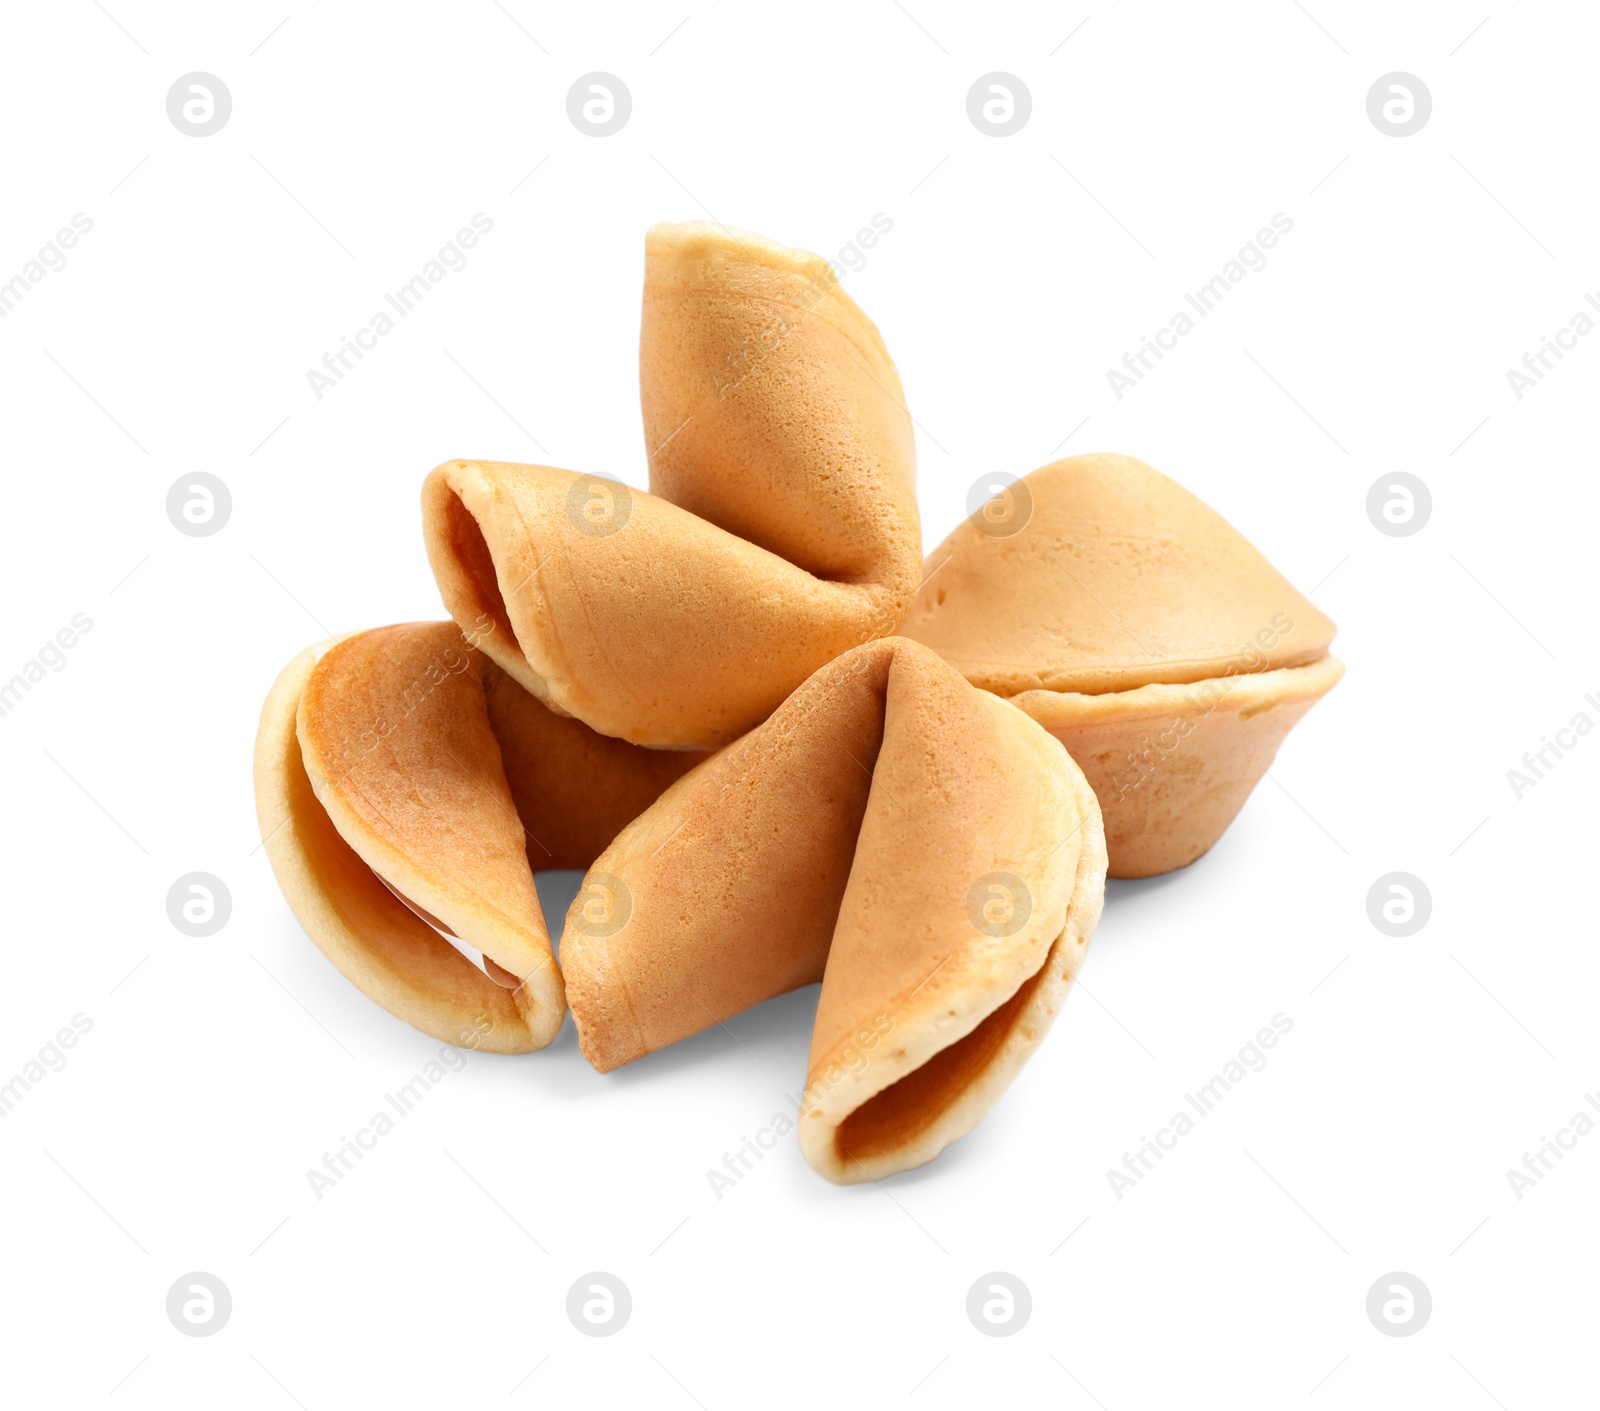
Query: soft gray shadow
[[776, 1034], [1122, 890], [556, 892]]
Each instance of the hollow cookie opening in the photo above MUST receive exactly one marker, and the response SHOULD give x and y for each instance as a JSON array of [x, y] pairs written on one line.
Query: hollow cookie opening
[[486, 963], [908, 1109], [409, 791], [471, 550], [369, 932]]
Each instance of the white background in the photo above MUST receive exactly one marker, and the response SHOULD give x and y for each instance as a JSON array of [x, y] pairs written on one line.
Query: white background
[[177, 340]]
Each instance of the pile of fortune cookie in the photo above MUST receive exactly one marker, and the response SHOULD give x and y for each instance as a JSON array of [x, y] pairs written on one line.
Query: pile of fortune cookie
[[782, 747]]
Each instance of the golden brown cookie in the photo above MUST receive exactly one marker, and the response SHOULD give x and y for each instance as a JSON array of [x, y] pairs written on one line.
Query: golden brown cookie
[[781, 528], [1143, 631], [404, 787], [923, 848]]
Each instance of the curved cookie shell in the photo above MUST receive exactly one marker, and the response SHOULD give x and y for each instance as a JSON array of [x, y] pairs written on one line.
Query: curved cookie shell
[[923, 848], [405, 787], [781, 529], [1144, 632], [1173, 765], [1117, 578]]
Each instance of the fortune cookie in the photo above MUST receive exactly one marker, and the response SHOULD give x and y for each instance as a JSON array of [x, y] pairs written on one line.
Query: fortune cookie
[[923, 848], [781, 529], [405, 786], [1143, 631]]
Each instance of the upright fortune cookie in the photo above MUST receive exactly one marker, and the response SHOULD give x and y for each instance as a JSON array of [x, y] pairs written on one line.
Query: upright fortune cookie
[[1143, 631]]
